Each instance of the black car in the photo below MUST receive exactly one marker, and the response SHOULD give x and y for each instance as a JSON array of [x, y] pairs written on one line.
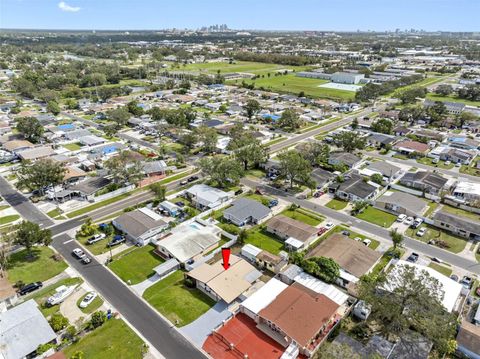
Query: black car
[[413, 258], [28, 288], [192, 178], [180, 204], [239, 191]]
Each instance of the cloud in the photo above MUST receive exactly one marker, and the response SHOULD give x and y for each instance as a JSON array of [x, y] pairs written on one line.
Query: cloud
[[62, 5]]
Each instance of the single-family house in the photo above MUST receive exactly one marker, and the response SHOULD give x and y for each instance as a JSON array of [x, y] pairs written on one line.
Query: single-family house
[[244, 211], [354, 189], [467, 191], [206, 197], [388, 171], [456, 155], [401, 203], [343, 158], [23, 328], [461, 226], [16, 146], [425, 181], [286, 228], [172, 209], [407, 147], [35, 153], [322, 177], [154, 168], [380, 140], [463, 142], [224, 284], [90, 186], [250, 252], [468, 340], [272, 262], [141, 225]]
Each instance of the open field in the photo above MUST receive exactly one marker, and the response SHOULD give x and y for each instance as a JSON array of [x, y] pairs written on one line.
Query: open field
[[257, 68], [378, 217], [435, 97], [177, 302]]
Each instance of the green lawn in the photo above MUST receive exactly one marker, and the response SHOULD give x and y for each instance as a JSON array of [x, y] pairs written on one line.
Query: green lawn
[[337, 204], [98, 205], [460, 212], [54, 213], [98, 247], [378, 217], [435, 97], [113, 340], [303, 216], [5, 206], [276, 140], [42, 267], [470, 169], [429, 162], [137, 265], [258, 197], [237, 66], [264, 240], [352, 235], [456, 244], [73, 146], [176, 301], [432, 206], [97, 303], [441, 269], [8, 219]]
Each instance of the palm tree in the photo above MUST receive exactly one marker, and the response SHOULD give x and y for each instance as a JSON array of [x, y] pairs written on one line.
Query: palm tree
[[397, 238]]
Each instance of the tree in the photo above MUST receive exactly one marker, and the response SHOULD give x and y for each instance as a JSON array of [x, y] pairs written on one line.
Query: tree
[[134, 109], [465, 117], [53, 107], [58, 322], [125, 168], [88, 228], [188, 140], [255, 153], [242, 236], [159, 190], [119, 115], [208, 136], [333, 350], [29, 234], [252, 107], [293, 166], [349, 141], [30, 128], [40, 174], [323, 268], [437, 111], [289, 121], [410, 95], [97, 319], [397, 238], [354, 124], [223, 170], [409, 299], [5, 254], [359, 206], [382, 125], [377, 178], [315, 152], [444, 90]]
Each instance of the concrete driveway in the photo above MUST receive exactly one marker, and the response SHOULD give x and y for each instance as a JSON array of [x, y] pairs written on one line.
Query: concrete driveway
[[199, 330]]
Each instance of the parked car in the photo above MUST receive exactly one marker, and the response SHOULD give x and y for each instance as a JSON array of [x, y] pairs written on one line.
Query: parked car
[[238, 192], [328, 225], [448, 163], [192, 178], [273, 203], [408, 221], [467, 282], [458, 164], [401, 217], [421, 232], [85, 259], [180, 204], [436, 160], [183, 183], [28, 288], [367, 241], [413, 257], [321, 231], [417, 222], [346, 233], [78, 253], [117, 239], [318, 194], [358, 239], [435, 259], [88, 299], [454, 277], [95, 238]]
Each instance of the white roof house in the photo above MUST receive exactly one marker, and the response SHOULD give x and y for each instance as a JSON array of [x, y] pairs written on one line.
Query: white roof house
[[23, 328], [264, 296], [320, 287], [250, 252], [467, 190], [451, 288], [189, 240], [207, 197]]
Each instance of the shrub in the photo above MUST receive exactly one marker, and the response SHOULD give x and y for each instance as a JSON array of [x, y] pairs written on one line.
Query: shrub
[[97, 319]]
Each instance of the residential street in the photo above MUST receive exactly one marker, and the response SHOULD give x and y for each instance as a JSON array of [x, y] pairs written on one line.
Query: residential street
[[414, 245]]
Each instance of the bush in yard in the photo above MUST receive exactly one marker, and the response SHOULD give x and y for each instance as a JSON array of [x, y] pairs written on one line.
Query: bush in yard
[[70, 333], [58, 322], [97, 319], [87, 229], [42, 348], [78, 355], [230, 228]]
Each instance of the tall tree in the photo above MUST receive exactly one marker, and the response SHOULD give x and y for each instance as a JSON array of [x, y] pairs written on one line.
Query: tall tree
[[125, 168], [289, 121], [208, 136], [222, 170], [349, 141], [254, 153], [293, 166], [30, 128], [40, 174], [252, 107], [119, 115], [28, 234]]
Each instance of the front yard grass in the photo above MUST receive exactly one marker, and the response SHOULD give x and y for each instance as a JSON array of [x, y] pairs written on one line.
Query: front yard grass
[[378, 217], [352, 235], [429, 162], [41, 267], [98, 247], [432, 206], [303, 216], [455, 244], [264, 240], [9, 219], [136, 265], [337, 204], [97, 303], [441, 269], [180, 304], [460, 212], [112, 340], [73, 146]]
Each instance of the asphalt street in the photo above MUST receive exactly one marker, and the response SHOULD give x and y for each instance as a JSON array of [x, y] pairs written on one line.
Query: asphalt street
[[158, 332], [414, 245]]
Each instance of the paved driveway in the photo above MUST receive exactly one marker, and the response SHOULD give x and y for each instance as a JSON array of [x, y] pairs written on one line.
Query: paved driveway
[[199, 330]]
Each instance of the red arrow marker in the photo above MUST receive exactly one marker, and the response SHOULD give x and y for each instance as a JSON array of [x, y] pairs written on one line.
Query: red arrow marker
[[226, 258]]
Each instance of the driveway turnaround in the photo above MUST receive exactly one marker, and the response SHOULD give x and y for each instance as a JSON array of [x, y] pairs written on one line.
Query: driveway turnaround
[[199, 330]]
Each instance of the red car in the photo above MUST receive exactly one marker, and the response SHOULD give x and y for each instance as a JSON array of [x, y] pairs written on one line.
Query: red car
[[321, 231], [318, 194], [477, 291]]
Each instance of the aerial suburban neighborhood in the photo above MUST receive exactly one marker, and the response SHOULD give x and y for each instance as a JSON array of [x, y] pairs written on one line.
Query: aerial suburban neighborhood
[[208, 192]]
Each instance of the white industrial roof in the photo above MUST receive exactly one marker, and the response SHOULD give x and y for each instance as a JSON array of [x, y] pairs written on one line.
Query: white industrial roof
[[468, 187], [264, 296], [320, 287], [450, 288]]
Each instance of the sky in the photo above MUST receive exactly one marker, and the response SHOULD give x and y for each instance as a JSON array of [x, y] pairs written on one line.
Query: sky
[[337, 15]]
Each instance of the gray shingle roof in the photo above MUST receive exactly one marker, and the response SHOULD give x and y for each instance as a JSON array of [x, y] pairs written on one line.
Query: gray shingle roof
[[244, 208], [464, 223]]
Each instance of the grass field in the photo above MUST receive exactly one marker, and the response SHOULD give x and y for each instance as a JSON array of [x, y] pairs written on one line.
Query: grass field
[[303, 216], [456, 244], [378, 217], [113, 340], [435, 97], [137, 265], [177, 302], [441, 269], [257, 68], [337, 204], [429, 162], [72, 146], [42, 267], [424, 83], [264, 240], [9, 219]]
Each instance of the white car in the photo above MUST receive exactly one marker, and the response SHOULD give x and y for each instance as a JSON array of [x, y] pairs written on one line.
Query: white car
[[95, 238], [328, 225], [358, 239], [401, 217], [408, 221], [78, 253], [367, 241], [88, 299], [421, 231]]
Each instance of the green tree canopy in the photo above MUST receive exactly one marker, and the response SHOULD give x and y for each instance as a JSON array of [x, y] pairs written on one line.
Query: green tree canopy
[[30, 128], [293, 166], [40, 174], [29, 234]]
